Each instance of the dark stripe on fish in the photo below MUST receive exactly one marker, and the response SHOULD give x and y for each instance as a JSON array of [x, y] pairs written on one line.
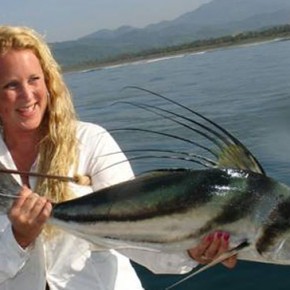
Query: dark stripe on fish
[[278, 223], [243, 201], [153, 195]]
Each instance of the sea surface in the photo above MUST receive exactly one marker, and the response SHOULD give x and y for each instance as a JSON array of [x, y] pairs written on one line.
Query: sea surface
[[244, 89]]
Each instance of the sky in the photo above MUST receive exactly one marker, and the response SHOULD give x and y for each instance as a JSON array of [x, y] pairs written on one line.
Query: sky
[[61, 20]]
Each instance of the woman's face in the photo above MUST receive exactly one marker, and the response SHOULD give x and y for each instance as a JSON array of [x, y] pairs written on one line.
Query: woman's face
[[23, 92]]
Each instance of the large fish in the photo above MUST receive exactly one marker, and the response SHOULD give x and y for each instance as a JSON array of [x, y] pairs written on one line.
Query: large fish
[[171, 210]]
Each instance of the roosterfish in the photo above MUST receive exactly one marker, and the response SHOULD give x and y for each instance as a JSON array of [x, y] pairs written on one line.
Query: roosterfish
[[171, 210]]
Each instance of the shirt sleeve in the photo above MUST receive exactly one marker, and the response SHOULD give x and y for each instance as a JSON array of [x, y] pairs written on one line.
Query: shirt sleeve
[[108, 165], [13, 257]]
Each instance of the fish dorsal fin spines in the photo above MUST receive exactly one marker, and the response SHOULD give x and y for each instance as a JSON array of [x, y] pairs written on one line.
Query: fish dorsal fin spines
[[235, 156], [221, 150]]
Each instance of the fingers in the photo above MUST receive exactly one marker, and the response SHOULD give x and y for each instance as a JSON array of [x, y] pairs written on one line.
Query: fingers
[[28, 215], [30, 207], [232, 261], [214, 248], [198, 253], [211, 247]]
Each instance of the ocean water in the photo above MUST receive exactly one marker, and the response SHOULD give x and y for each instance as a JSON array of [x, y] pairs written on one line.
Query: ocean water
[[245, 89]]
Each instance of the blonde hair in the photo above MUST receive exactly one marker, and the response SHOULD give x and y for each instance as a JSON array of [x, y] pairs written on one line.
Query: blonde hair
[[58, 147]]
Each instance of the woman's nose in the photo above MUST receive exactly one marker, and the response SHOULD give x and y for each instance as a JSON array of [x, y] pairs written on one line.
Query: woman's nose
[[26, 91]]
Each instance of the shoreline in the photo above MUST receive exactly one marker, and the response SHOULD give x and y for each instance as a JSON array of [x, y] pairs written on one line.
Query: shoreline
[[175, 53]]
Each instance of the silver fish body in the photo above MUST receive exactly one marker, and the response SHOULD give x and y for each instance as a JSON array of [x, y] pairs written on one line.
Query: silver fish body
[[172, 210], [9, 188]]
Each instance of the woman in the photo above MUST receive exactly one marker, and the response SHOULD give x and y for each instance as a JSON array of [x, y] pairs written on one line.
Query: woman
[[40, 133]]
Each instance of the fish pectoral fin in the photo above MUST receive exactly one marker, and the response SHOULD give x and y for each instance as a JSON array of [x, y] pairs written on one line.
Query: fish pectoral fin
[[224, 256]]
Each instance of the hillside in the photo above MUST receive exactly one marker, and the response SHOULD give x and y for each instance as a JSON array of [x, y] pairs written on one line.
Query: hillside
[[212, 20]]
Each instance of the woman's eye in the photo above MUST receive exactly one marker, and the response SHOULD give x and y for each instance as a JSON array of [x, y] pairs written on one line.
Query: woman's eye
[[34, 79], [11, 85]]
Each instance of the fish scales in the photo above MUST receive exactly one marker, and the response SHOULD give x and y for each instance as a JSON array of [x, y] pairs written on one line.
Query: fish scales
[[9, 189], [177, 219], [246, 193], [276, 226], [172, 210], [144, 213], [152, 195]]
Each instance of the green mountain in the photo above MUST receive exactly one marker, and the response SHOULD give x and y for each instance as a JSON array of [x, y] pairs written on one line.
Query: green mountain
[[212, 20]]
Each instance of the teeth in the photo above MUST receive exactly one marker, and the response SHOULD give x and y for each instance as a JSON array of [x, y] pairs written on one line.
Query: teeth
[[27, 109]]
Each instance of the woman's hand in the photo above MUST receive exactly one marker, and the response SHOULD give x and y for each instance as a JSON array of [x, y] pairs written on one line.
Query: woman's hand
[[211, 247], [28, 215]]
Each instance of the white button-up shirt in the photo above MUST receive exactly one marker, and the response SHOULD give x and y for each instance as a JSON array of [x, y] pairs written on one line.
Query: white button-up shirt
[[68, 262]]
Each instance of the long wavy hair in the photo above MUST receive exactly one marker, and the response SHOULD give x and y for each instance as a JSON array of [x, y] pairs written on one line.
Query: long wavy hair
[[58, 147]]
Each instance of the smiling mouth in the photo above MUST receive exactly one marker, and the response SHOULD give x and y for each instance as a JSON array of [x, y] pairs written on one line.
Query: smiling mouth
[[27, 109]]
